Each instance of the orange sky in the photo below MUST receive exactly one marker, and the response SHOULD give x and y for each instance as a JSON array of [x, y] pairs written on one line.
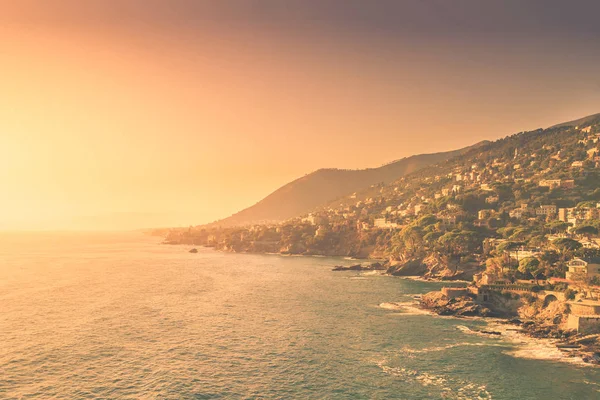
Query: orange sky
[[133, 117]]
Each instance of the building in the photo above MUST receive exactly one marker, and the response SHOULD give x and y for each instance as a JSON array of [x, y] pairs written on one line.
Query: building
[[313, 219], [577, 164], [547, 210], [517, 213], [591, 213], [492, 199], [383, 223], [523, 252], [567, 184], [485, 214], [363, 226], [565, 213], [588, 267], [550, 183]]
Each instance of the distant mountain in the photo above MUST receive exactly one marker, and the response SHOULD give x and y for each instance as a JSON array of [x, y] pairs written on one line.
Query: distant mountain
[[326, 185], [577, 122]]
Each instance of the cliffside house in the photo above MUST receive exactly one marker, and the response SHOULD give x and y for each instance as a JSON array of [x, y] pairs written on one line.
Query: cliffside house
[[588, 267]]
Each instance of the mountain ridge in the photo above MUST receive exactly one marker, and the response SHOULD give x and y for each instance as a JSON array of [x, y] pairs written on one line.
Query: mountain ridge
[[577, 122], [324, 185]]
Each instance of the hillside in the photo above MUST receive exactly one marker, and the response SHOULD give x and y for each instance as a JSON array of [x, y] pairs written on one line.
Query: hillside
[[325, 185], [450, 216], [581, 121]]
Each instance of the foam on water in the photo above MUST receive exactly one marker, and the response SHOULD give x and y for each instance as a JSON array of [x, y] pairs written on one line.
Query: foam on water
[[523, 346], [410, 351], [445, 386], [405, 308], [105, 316]]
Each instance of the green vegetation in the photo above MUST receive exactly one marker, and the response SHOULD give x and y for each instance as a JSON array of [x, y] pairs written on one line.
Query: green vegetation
[[518, 208]]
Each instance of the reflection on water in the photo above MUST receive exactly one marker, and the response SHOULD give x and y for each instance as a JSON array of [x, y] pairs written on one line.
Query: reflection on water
[[119, 316]]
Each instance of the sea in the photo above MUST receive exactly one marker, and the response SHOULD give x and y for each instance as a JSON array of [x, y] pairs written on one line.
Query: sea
[[121, 316]]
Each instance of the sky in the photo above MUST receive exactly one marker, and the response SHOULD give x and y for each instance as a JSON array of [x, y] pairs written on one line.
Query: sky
[[121, 114]]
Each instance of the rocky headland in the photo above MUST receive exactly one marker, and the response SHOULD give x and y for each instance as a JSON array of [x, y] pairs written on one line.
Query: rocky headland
[[528, 315]]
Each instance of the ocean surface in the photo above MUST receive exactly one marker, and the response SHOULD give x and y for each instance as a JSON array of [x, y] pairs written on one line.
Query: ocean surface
[[119, 316]]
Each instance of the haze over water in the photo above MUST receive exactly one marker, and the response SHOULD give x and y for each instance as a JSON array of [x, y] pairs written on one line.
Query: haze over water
[[120, 316]]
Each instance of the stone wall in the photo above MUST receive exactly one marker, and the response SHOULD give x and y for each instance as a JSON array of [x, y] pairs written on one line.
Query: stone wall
[[452, 293], [584, 308], [584, 324]]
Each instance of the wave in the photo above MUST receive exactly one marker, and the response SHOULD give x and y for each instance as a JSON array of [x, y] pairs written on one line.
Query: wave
[[449, 388], [526, 347], [409, 350], [406, 308], [372, 273]]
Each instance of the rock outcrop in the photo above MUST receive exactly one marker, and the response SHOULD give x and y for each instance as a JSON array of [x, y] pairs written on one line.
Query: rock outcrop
[[432, 267], [377, 266], [459, 306]]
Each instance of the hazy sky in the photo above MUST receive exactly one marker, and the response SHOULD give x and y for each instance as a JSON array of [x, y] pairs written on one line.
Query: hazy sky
[[126, 113]]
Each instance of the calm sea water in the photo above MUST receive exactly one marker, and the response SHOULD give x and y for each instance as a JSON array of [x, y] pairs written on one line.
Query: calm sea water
[[120, 316]]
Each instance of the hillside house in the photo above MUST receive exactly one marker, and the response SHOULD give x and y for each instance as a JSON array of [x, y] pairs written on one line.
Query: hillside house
[[517, 213], [567, 184], [577, 164], [588, 267], [550, 183], [565, 213], [492, 199], [382, 223], [546, 210]]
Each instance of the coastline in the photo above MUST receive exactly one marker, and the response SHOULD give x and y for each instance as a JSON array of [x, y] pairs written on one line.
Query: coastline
[[522, 343], [563, 345], [543, 344]]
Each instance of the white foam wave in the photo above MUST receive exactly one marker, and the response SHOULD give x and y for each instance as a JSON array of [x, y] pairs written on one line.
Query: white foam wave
[[405, 308], [372, 273], [409, 350], [448, 387], [527, 347]]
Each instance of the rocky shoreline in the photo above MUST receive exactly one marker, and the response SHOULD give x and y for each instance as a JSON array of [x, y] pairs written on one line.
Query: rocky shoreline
[[571, 344], [427, 269]]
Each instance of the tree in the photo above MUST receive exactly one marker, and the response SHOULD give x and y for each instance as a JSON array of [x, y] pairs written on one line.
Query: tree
[[586, 230], [530, 266], [581, 282], [557, 226], [427, 220], [408, 242], [566, 247], [456, 244], [566, 244]]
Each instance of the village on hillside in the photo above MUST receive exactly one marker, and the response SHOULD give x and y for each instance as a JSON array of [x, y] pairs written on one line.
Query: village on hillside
[[521, 214]]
